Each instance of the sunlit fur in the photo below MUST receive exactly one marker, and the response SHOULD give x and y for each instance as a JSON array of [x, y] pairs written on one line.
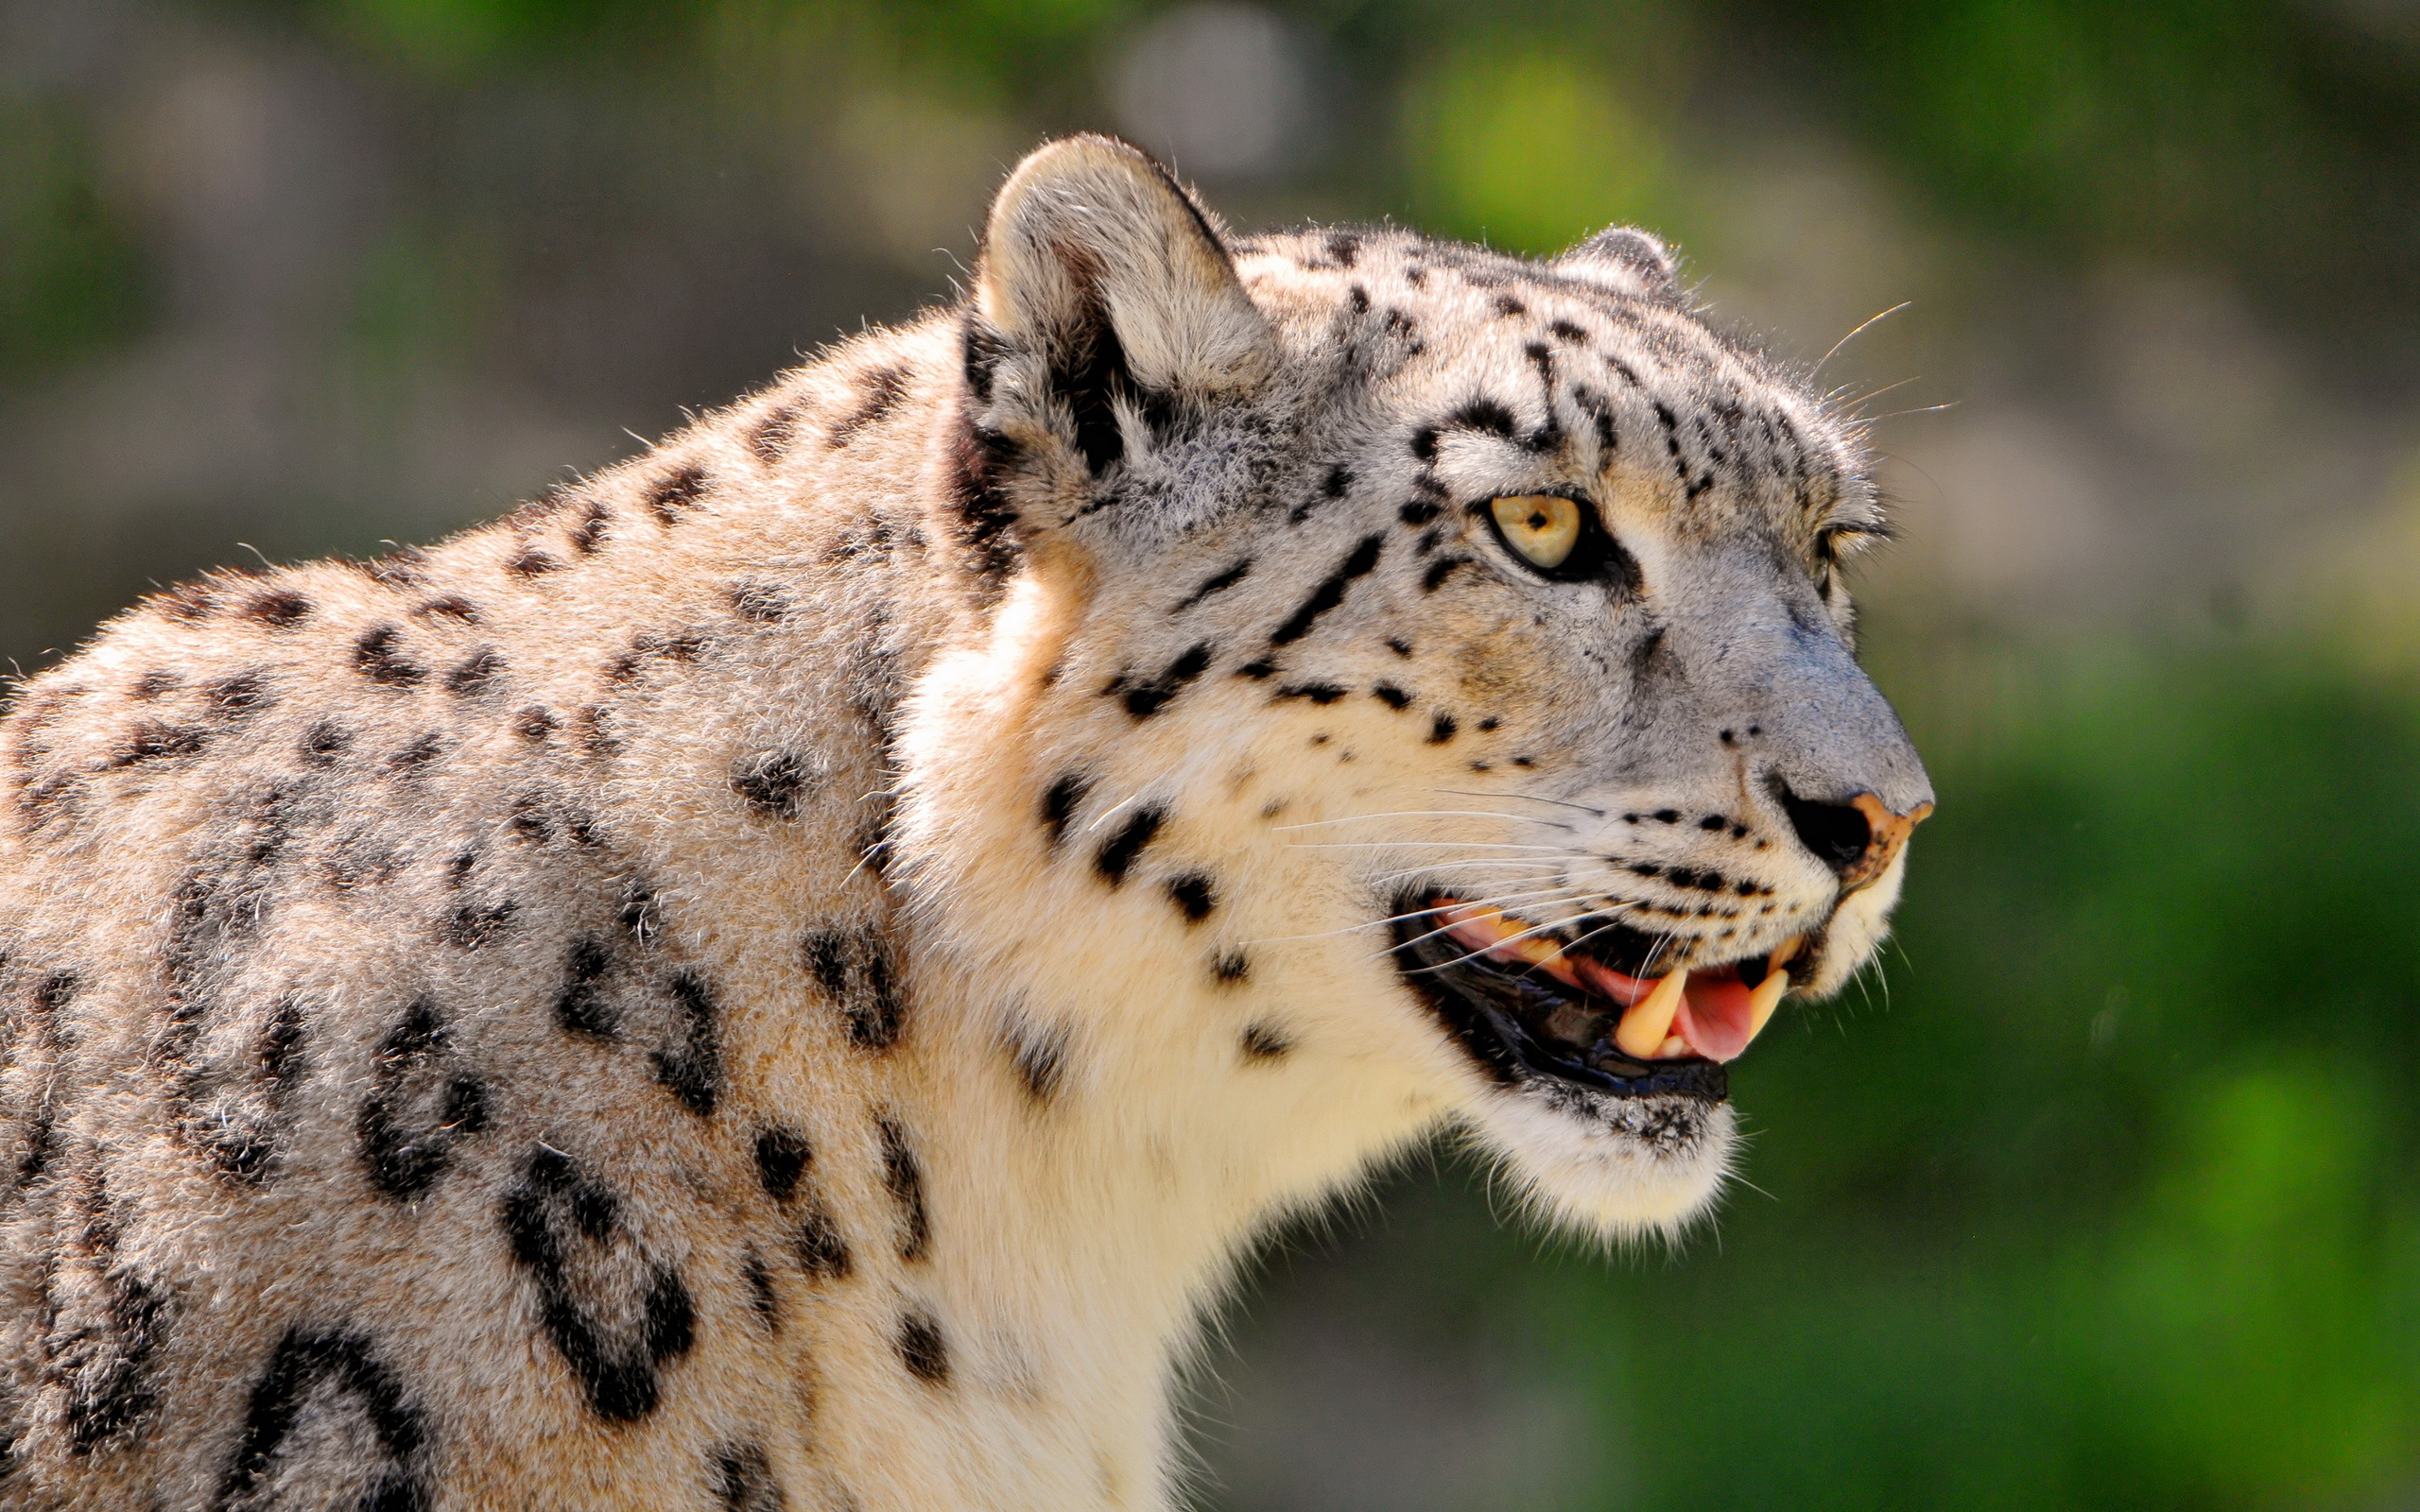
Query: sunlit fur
[[886, 804]]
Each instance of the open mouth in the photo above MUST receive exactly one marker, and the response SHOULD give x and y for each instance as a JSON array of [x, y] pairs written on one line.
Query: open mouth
[[1599, 1012]]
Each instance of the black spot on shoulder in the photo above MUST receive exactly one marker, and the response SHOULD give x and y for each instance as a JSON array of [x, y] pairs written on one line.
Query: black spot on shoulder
[[922, 1349], [234, 697], [1441, 728], [473, 925], [421, 1105], [904, 1178], [1507, 305], [1038, 1052], [535, 723], [859, 970], [764, 1299], [613, 1313], [742, 1480], [1318, 693], [279, 609], [379, 656], [772, 781], [1117, 853], [690, 1061], [103, 1320], [582, 1006], [1232, 967], [314, 1379], [1399, 646], [416, 756], [477, 673], [588, 535], [771, 435], [1330, 592], [822, 1252], [154, 741], [762, 603], [1344, 246], [783, 1155], [1258, 670], [680, 488], [1565, 331], [1264, 1042], [879, 392], [451, 606], [1195, 897], [1059, 804], [530, 563], [1392, 696]]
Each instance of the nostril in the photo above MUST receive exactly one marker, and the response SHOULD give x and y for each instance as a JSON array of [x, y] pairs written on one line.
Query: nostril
[[1837, 834]]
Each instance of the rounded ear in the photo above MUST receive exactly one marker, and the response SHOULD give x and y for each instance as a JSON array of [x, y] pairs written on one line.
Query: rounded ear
[[1624, 260], [1092, 246]]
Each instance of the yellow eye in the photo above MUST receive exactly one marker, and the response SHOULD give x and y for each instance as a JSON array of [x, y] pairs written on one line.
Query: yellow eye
[[1540, 527]]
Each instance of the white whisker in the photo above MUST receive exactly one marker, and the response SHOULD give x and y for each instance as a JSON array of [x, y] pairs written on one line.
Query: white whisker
[[1424, 845], [1423, 814], [1811, 373], [1532, 896], [1525, 798]]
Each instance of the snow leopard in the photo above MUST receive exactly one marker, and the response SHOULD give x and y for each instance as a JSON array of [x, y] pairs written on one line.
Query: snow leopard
[[787, 972]]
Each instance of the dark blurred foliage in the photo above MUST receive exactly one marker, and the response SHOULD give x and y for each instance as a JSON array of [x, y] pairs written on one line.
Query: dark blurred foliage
[[2105, 1193], [2100, 1192]]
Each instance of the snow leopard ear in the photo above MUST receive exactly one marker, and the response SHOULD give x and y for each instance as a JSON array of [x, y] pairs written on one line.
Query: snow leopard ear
[[1097, 262], [1624, 260]]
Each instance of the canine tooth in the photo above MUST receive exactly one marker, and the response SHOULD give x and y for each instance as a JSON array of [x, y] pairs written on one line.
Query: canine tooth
[[1767, 997], [1786, 952], [1644, 1026]]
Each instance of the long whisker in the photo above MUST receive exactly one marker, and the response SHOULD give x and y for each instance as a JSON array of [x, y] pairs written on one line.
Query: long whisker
[[1508, 939], [1571, 898], [1426, 845], [1511, 863], [1853, 336], [1525, 798], [1501, 899], [1871, 397], [1423, 814]]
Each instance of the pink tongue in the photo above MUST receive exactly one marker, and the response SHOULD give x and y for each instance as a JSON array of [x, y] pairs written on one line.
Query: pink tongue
[[1714, 1018]]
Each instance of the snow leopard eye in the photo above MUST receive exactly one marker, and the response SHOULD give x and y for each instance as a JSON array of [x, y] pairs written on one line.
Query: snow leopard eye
[[1541, 529]]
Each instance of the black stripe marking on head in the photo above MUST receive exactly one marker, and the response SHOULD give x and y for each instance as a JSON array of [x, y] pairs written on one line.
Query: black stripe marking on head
[[1330, 593]]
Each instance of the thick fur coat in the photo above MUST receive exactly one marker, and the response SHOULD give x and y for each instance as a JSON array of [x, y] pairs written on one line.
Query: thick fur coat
[[786, 973]]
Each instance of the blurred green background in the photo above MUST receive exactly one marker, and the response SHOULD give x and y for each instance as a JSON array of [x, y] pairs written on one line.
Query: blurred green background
[[2102, 1191]]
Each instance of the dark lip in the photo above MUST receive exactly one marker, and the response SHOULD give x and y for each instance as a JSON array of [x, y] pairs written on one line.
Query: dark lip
[[1519, 1026]]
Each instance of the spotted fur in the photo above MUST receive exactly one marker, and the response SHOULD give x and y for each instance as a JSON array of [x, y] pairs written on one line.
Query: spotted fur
[[783, 973]]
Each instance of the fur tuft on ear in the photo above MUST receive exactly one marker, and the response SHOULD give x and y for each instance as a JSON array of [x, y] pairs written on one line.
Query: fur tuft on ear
[[1092, 246], [1624, 260]]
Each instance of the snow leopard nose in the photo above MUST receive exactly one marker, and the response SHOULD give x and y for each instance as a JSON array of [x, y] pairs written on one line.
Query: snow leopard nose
[[1858, 839]]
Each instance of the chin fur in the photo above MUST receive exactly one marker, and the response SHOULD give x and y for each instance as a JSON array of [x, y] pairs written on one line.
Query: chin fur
[[1612, 1167]]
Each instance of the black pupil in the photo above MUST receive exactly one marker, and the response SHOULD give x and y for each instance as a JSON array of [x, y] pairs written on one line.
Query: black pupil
[[1538, 520]]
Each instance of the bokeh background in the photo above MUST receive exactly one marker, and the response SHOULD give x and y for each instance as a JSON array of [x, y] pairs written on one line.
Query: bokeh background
[[2102, 1191]]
